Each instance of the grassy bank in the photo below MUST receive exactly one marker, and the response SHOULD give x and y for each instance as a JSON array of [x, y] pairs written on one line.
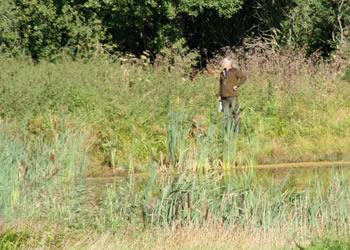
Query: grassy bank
[[45, 202], [31, 235], [137, 114], [60, 122]]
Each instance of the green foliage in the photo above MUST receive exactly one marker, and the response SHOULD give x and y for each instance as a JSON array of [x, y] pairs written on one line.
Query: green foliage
[[43, 29], [138, 113], [328, 243], [166, 204], [126, 26], [178, 57], [32, 164], [224, 8], [317, 25], [13, 240], [346, 76], [226, 199]]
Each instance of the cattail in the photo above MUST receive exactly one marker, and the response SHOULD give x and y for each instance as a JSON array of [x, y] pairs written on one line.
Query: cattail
[[189, 205], [22, 171], [176, 210], [182, 202], [52, 157], [206, 214]]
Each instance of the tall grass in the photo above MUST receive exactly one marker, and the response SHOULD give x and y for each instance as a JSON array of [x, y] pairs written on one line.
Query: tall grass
[[43, 187], [32, 165], [290, 113], [147, 118], [231, 201], [171, 205]]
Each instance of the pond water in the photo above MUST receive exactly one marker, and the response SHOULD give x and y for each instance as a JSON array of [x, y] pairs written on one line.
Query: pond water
[[295, 175]]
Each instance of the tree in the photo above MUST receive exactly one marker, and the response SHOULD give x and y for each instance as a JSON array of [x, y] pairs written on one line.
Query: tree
[[139, 25], [317, 25], [44, 28]]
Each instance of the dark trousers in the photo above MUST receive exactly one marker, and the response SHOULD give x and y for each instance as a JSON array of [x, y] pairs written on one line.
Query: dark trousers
[[231, 111]]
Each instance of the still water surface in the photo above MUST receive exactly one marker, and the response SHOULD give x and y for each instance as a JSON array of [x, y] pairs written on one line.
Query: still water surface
[[295, 175]]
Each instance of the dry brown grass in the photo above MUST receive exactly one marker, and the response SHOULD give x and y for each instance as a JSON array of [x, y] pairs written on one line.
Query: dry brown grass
[[287, 64], [46, 236]]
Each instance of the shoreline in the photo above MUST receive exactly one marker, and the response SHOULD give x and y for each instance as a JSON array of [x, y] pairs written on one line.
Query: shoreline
[[315, 164], [322, 164]]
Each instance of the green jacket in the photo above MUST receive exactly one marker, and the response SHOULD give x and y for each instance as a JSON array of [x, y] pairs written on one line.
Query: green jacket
[[229, 79]]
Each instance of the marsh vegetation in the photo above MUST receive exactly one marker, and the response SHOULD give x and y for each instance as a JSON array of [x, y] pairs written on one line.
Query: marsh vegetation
[[63, 122], [96, 89]]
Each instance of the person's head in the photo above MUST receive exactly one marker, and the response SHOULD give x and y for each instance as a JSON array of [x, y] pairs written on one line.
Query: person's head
[[226, 63]]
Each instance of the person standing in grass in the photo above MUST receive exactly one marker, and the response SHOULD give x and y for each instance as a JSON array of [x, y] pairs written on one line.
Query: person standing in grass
[[231, 78]]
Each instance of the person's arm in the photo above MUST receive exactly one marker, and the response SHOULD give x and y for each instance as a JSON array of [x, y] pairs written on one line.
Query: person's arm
[[241, 77]]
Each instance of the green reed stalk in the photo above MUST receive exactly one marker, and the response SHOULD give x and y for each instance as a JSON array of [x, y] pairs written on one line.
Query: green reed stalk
[[237, 201], [31, 165]]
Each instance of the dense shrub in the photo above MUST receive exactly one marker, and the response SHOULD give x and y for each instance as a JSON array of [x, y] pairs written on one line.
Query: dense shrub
[[45, 28]]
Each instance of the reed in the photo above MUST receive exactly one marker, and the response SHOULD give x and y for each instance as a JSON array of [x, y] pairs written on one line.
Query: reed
[[233, 201], [33, 165], [146, 113], [55, 116], [175, 204]]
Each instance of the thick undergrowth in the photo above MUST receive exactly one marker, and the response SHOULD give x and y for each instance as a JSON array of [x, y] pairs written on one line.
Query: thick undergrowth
[[290, 111], [61, 122]]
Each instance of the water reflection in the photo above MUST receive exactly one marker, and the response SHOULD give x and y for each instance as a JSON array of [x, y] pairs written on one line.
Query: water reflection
[[292, 177]]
